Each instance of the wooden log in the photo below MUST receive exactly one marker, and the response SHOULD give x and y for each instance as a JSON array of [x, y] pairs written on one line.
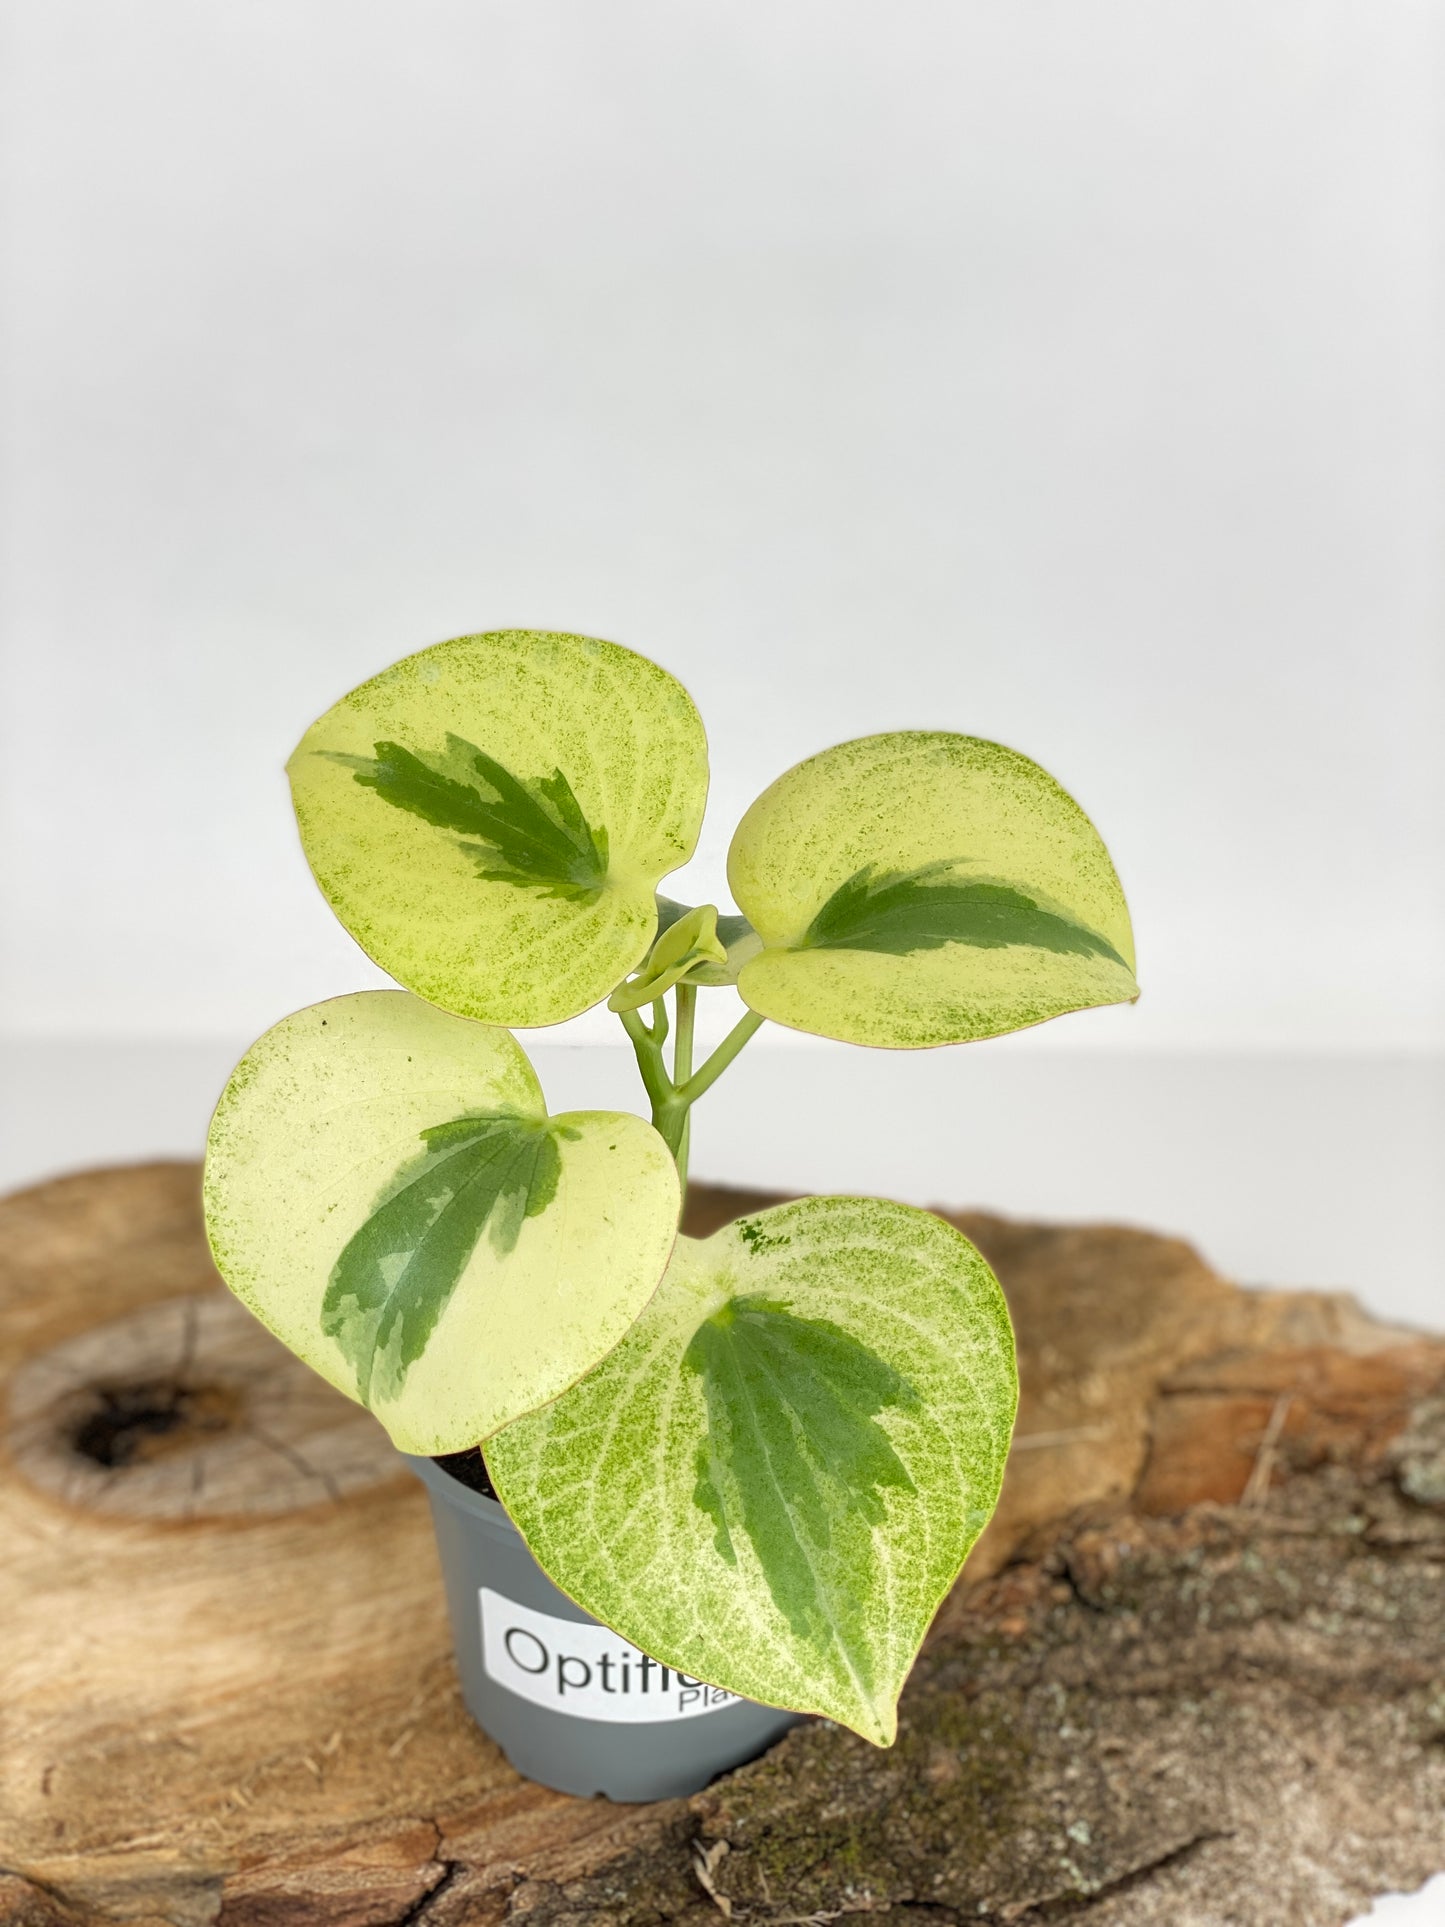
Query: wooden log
[[1194, 1673]]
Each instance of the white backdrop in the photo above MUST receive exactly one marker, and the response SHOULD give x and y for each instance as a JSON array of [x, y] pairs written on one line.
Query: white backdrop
[[1069, 375], [1065, 374]]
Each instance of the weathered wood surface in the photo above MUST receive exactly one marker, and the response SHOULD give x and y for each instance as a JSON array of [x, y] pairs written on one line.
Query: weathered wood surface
[[1195, 1675]]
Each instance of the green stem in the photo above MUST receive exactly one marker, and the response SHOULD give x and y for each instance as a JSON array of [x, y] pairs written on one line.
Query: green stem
[[672, 1097], [682, 1044], [647, 1048], [682, 1071], [703, 1080]]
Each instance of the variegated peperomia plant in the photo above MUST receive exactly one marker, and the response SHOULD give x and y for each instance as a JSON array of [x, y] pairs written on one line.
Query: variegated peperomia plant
[[763, 1456]]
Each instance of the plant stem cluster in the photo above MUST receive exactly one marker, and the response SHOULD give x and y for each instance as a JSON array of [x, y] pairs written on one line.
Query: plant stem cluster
[[673, 1089]]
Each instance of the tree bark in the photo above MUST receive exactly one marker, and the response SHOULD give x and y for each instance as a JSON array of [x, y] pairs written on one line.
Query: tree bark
[[1193, 1673]]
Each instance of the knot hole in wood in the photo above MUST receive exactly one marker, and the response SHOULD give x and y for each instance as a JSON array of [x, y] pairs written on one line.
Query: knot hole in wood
[[187, 1409]]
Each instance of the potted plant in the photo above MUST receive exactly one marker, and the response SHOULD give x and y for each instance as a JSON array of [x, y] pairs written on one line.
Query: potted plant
[[722, 1482]]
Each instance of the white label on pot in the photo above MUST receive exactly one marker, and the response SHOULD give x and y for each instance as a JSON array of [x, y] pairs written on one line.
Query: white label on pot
[[580, 1668]]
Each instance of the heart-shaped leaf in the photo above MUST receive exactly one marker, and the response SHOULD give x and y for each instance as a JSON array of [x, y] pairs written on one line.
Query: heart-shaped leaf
[[922, 888], [385, 1191], [775, 1478], [490, 818]]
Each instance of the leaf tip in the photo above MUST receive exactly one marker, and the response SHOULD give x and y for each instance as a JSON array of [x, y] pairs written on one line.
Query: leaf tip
[[877, 1723]]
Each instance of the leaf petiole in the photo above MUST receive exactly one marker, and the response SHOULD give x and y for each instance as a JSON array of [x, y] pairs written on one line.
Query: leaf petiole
[[702, 1080], [647, 1047], [673, 1096], [682, 1043]]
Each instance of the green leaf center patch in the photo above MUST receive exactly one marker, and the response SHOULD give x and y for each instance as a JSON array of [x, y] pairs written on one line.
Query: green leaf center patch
[[397, 1272], [792, 1443], [533, 835], [899, 912]]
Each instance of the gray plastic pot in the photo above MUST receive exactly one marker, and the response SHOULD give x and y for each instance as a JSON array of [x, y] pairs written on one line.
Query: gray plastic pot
[[569, 1703]]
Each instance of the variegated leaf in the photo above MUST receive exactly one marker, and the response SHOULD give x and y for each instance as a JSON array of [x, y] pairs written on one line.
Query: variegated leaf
[[490, 818], [775, 1478], [922, 888], [385, 1190]]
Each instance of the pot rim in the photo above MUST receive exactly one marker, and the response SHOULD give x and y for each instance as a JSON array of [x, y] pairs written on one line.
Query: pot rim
[[458, 1494]]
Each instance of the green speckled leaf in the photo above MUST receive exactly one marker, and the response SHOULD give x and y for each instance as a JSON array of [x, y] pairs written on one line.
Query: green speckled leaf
[[490, 817], [775, 1478], [385, 1191], [922, 888]]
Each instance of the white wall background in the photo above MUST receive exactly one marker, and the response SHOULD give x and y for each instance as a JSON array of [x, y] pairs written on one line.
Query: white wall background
[[1069, 374], [1065, 373]]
